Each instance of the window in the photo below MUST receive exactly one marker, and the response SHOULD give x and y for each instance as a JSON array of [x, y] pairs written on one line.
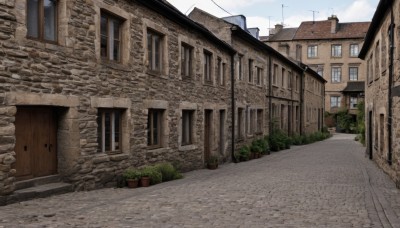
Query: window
[[154, 122], [320, 71], [354, 50], [259, 120], [298, 52], [282, 116], [186, 60], [353, 73], [240, 123], [377, 56], [109, 130], [259, 75], [223, 75], [336, 74], [207, 66], [110, 43], [283, 77], [289, 84], [335, 102], [240, 70], [250, 71], [312, 51], [252, 121], [353, 102], [336, 50], [219, 70], [275, 76], [297, 83], [187, 127], [42, 20], [154, 43], [369, 70]]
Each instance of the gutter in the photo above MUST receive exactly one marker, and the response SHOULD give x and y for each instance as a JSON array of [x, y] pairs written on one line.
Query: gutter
[[390, 98]]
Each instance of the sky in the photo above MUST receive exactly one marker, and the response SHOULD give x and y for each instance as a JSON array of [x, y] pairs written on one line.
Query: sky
[[265, 14]]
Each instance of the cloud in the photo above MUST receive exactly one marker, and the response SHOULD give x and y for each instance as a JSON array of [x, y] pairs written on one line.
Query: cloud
[[358, 10]]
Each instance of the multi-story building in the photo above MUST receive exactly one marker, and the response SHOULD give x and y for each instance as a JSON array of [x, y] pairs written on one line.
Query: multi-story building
[[330, 48], [91, 88], [266, 77], [382, 88]]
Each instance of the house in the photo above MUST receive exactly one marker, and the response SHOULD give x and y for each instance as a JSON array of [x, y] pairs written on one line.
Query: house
[[330, 48], [381, 52]]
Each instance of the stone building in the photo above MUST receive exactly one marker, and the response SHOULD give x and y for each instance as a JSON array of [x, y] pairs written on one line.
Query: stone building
[[267, 83], [382, 87], [330, 48], [89, 89]]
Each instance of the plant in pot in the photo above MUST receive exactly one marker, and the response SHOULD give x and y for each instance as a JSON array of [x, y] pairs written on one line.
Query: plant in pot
[[212, 162], [132, 177], [145, 177], [256, 149]]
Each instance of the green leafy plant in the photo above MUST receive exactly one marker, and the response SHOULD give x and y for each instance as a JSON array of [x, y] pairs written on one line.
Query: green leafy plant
[[243, 154], [152, 172], [168, 172], [131, 174]]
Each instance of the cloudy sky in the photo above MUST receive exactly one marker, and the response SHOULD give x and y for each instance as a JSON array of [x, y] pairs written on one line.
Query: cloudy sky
[[262, 13]]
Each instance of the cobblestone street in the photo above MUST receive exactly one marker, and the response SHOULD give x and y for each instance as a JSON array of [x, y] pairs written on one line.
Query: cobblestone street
[[326, 184]]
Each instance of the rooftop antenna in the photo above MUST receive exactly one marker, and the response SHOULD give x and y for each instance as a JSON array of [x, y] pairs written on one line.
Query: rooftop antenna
[[269, 24], [313, 15], [283, 18]]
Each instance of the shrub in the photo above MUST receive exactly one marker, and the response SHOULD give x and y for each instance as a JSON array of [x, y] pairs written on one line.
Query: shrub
[[153, 173], [297, 139], [243, 154], [168, 172], [257, 146], [278, 140], [132, 174]]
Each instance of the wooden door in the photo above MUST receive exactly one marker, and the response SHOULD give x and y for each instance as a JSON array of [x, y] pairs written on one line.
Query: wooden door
[[207, 134], [36, 153]]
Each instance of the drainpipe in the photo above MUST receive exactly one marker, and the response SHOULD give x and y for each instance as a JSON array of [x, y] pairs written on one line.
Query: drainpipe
[[270, 94], [302, 91], [390, 111], [233, 107]]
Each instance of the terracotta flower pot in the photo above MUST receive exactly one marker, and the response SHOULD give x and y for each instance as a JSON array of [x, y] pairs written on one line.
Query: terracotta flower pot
[[212, 165], [132, 183], [145, 181]]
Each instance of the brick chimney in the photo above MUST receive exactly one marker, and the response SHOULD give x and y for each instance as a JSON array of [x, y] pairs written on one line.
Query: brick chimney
[[278, 28], [334, 23]]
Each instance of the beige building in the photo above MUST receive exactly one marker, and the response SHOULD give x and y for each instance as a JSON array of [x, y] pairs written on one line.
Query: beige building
[[330, 48], [381, 52]]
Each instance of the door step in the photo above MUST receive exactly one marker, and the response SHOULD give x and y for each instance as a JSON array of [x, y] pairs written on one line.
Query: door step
[[36, 188]]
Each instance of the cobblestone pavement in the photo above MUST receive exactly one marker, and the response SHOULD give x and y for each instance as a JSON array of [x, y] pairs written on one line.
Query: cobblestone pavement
[[326, 184]]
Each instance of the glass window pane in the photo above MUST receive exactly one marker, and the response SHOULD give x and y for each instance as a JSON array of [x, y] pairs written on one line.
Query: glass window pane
[[103, 25], [150, 50], [50, 20], [107, 126], [155, 127], [149, 127], [157, 45], [103, 47], [99, 131], [117, 25], [116, 51], [33, 18], [117, 122]]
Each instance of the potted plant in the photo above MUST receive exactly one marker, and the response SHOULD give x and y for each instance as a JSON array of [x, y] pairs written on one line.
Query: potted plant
[[212, 162], [145, 177], [132, 177]]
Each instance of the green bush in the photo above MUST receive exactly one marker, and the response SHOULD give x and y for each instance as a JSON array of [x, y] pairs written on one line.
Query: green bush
[[131, 174], [278, 140], [152, 172], [243, 154], [168, 172], [297, 139], [256, 146]]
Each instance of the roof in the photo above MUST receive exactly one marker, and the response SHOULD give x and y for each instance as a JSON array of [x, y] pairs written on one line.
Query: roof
[[355, 87], [284, 35], [164, 8], [379, 16], [319, 30]]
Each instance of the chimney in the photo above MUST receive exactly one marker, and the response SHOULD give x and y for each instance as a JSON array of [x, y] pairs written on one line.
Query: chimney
[[334, 23], [278, 28]]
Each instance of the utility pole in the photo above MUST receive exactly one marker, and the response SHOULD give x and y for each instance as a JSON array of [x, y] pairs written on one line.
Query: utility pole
[[313, 15], [283, 18]]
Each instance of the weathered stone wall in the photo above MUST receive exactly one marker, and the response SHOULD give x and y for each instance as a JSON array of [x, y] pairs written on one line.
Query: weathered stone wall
[[376, 96], [313, 103], [77, 81]]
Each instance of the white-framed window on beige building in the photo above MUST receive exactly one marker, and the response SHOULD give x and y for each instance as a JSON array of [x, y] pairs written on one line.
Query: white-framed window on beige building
[[187, 127], [109, 130], [207, 67], [154, 127], [336, 74], [353, 102], [353, 73], [320, 71], [336, 101], [42, 20], [336, 50], [354, 50], [312, 51], [154, 50], [186, 60], [110, 44]]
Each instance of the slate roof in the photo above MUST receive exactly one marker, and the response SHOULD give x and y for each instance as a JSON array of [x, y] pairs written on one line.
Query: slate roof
[[355, 87], [318, 30], [284, 35]]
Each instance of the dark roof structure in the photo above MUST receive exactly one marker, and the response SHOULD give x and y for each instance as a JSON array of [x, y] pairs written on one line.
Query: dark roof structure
[[284, 35], [355, 87]]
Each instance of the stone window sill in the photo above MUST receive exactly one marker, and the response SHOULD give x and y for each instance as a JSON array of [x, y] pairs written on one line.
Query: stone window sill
[[188, 147]]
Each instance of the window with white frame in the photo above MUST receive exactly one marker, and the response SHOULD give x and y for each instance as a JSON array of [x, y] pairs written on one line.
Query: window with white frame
[[320, 71], [353, 102], [354, 50], [187, 127], [42, 20], [336, 74], [335, 101], [336, 50], [353, 73], [154, 50], [186, 60], [110, 44], [109, 130], [312, 51]]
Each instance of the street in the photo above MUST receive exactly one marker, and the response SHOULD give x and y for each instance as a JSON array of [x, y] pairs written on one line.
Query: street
[[325, 184]]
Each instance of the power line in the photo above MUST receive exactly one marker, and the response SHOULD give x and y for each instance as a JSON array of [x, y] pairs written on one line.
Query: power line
[[221, 8]]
